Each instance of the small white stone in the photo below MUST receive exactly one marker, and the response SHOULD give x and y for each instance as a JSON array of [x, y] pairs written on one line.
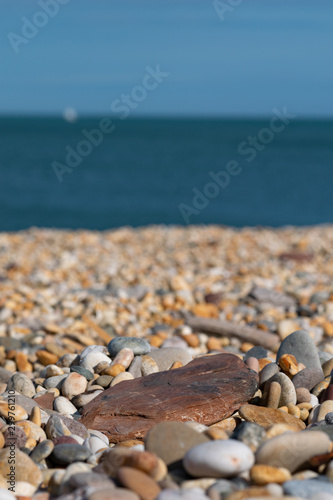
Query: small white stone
[[121, 378], [63, 406], [220, 458]]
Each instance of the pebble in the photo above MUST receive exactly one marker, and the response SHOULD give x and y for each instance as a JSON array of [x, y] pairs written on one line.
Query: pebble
[[148, 366], [135, 367], [303, 395], [300, 345], [267, 373], [218, 459], [56, 428], [137, 345], [291, 450], [250, 434], [138, 482], [21, 384], [16, 434], [65, 407], [25, 469], [308, 378], [267, 416], [124, 357], [56, 381], [179, 438], [42, 451], [122, 377], [64, 454], [257, 352], [73, 385], [91, 360], [82, 371], [288, 392], [167, 356], [12, 410], [307, 488], [104, 380], [266, 474], [84, 399]]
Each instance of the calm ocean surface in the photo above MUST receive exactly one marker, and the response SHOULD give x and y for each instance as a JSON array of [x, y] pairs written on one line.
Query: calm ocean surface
[[146, 168]]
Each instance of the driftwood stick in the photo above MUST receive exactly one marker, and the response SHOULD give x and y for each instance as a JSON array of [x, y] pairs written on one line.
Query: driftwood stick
[[228, 329]]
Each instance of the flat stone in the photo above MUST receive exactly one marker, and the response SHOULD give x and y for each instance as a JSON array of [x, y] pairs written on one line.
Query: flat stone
[[139, 482], [167, 356], [104, 381], [85, 398], [308, 378], [75, 427], [45, 401], [137, 345], [25, 469], [21, 384], [171, 440], [292, 449], [307, 488], [82, 371], [220, 458], [300, 345], [268, 416], [207, 390], [64, 454]]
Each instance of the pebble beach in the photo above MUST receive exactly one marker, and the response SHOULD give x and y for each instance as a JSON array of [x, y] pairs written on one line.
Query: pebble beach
[[96, 327]]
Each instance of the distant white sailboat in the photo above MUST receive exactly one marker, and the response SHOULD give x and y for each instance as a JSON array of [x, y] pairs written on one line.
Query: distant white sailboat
[[70, 115]]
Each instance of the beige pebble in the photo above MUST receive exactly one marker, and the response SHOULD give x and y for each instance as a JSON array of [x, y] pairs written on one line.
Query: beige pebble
[[325, 407], [307, 406], [122, 377], [304, 414], [228, 424], [328, 367], [148, 366], [12, 412], [284, 408], [294, 410], [265, 474], [55, 391], [274, 395], [277, 429], [216, 433], [36, 416], [73, 385], [52, 371], [124, 357], [114, 370]]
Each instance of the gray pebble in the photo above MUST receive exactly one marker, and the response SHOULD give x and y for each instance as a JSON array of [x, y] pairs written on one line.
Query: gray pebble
[[300, 345], [64, 454], [307, 488], [137, 345], [22, 384], [42, 451], [82, 371]]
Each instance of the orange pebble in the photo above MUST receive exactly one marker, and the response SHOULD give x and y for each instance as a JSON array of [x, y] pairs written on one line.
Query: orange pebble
[[114, 370], [46, 358]]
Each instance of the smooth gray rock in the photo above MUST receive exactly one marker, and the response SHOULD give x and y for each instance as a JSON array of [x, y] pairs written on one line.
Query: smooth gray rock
[[135, 367], [42, 451], [82, 371], [307, 488], [300, 345], [55, 381], [257, 352], [308, 378], [268, 372], [22, 384], [288, 391], [64, 454], [137, 345]]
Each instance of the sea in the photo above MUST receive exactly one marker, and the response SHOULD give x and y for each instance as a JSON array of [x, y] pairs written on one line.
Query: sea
[[99, 173]]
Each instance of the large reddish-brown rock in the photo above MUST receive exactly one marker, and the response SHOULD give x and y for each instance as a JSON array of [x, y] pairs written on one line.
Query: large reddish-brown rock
[[206, 390]]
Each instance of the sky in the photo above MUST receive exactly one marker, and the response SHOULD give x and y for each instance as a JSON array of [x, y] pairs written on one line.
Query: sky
[[259, 55]]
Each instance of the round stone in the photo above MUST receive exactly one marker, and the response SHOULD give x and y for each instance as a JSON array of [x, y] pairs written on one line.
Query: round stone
[[73, 385], [171, 440], [92, 359], [256, 352], [104, 380], [288, 391], [56, 381], [265, 474], [64, 454], [22, 384], [139, 482], [137, 345], [309, 488], [218, 459], [63, 406], [329, 418], [308, 378], [267, 373]]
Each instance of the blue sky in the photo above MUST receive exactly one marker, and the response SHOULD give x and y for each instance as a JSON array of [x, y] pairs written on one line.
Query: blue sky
[[264, 54]]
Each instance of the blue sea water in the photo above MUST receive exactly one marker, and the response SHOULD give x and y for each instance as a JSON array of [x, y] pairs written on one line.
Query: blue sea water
[[146, 169]]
